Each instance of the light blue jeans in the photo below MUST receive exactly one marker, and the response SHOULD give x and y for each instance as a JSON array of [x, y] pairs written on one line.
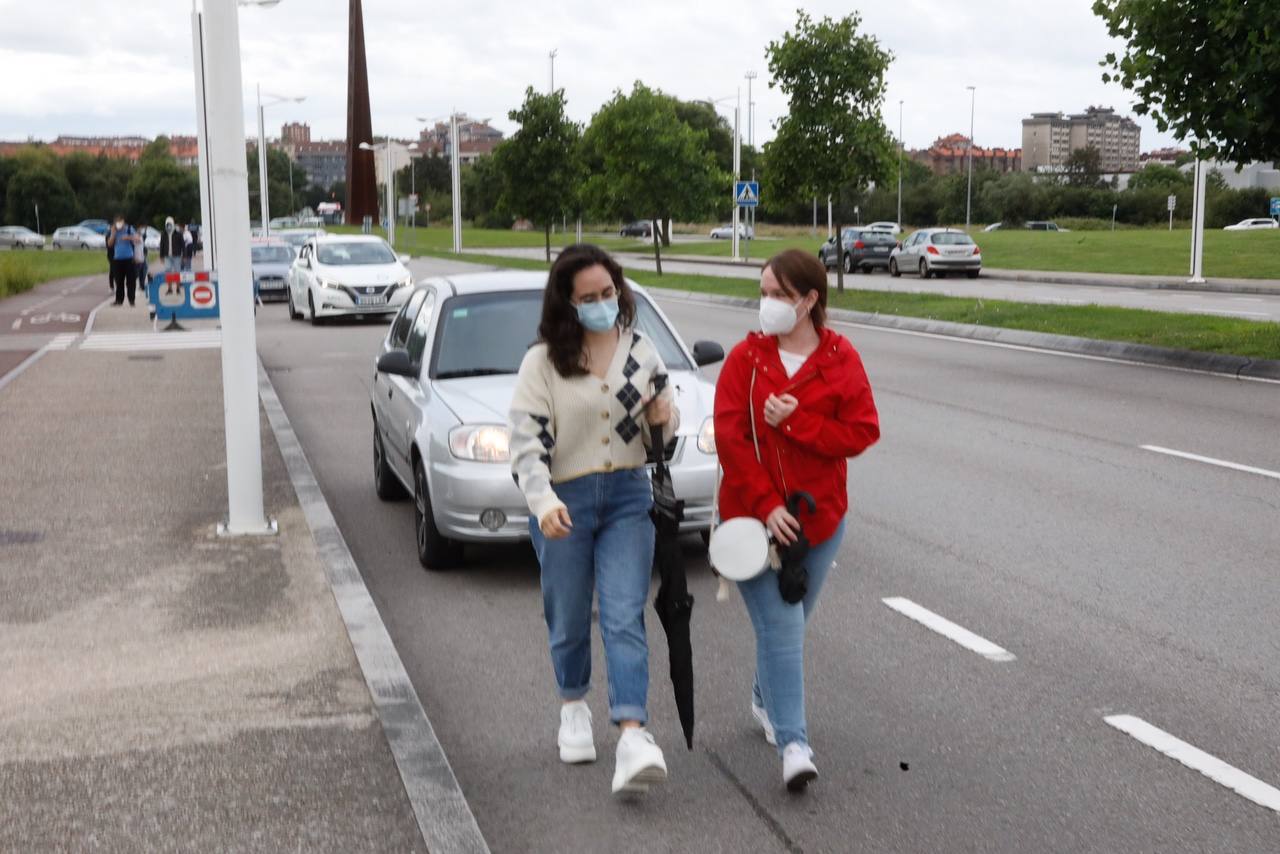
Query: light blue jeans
[[611, 550], [779, 679]]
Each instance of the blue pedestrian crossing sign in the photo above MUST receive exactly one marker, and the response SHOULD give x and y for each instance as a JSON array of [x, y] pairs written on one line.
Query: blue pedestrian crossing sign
[[746, 193], [1275, 206]]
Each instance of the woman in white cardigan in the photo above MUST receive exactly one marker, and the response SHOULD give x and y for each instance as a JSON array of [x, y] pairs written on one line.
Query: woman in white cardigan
[[586, 395]]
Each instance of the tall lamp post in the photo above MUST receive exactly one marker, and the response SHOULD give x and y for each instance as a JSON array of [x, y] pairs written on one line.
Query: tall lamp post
[[900, 144], [455, 177], [413, 185], [968, 195], [264, 205], [751, 143], [390, 191], [552, 57], [737, 160]]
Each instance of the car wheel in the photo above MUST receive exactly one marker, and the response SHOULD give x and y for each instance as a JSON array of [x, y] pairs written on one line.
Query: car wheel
[[893, 268], [435, 552], [973, 274], [925, 272], [385, 483], [294, 314], [311, 306], [86, 245], [848, 263]]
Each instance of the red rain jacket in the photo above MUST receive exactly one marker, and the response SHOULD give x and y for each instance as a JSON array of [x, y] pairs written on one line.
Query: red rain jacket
[[835, 419]]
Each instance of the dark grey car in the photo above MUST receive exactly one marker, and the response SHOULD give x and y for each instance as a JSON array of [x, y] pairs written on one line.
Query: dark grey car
[[861, 249]]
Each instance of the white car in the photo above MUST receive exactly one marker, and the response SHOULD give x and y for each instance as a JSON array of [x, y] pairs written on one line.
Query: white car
[[347, 275], [1251, 224], [891, 227], [78, 237], [20, 237], [445, 376], [725, 232]]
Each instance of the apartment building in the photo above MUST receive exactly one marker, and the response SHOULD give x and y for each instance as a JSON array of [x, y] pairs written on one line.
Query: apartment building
[[1049, 138], [950, 154]]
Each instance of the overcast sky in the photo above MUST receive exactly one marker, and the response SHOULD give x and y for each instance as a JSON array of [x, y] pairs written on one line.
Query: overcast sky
[[77, 67]]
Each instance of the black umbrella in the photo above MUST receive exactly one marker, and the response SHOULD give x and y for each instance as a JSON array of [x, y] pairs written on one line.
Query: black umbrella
[[673, 603], [793, 578]]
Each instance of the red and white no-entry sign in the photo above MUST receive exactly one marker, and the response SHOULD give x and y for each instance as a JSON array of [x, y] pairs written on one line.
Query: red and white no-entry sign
[[203, 295]]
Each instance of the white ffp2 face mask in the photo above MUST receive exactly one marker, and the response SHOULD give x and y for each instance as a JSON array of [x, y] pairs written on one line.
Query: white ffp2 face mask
[[777, 317]]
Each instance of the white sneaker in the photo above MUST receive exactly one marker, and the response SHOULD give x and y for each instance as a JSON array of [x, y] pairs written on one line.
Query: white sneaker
[[762, 718], [798, 769], [640, 762], [576, 742]]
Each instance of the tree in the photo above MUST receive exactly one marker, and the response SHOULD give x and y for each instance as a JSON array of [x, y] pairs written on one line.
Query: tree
[[160, 188], [1084, 167], [1182, 64], [99, 183], [642, 159], [832, 135], [43, 185], [278, 195], [482, 193], [1160, 177], [539, 163]]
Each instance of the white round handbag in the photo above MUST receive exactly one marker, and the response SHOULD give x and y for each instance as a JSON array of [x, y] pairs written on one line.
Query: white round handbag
[[739, 548]]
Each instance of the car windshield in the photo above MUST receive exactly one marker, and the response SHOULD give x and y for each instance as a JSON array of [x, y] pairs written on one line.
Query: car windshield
[[951, 238], [353, 253], [485, 334], [272, 254]]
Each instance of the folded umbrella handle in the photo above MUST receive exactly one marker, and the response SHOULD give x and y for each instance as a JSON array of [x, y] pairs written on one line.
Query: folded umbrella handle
[[794, 500]]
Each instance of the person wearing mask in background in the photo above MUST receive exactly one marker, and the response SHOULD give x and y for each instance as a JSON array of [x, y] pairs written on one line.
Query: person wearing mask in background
[[171, 249], [793, 403], [587, 394], [121, 241], [140, 259], [188, 246]]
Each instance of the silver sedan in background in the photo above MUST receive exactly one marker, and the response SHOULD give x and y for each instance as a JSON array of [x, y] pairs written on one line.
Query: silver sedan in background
[[78, 237], [20, 237], [442, 390], [936, 252]]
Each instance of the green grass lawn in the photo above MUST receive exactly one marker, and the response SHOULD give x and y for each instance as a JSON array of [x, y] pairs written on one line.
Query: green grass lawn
[[1200, 332], [22, 270], [419, 241], [1227, 254]]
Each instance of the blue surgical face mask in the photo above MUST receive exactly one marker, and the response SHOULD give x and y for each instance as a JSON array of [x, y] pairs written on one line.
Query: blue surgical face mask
[[598, 316]]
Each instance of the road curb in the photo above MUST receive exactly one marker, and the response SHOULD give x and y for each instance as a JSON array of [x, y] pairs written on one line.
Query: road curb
[[443, 814], [1239, 367]]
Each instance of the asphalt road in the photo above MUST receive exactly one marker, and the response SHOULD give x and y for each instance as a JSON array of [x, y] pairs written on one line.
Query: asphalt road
[[52, 313], [1010, 495], [1261, 307]]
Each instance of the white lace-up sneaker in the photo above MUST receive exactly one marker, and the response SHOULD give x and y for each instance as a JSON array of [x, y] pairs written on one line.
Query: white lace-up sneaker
[[798, 769], [640, 762], [576, 741], [762, 718]]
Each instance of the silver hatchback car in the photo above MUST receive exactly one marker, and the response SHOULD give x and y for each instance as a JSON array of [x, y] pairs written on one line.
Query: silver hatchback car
[[936, 252], [441, 391]]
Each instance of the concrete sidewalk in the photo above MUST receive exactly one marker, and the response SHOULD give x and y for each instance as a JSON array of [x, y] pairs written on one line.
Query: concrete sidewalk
[[164, 688]]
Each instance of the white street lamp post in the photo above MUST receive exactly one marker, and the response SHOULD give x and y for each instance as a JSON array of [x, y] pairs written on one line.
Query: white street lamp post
[[456, 183], [413, 186], [229, 184], [751, 142], [737, 163], [209, 236], [900, 145], [968, 195], [552, 56], [389, 190], [1197, 225], [264, 205]]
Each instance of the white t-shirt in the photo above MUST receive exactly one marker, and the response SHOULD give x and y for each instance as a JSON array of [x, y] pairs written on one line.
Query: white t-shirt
[[792, 362]]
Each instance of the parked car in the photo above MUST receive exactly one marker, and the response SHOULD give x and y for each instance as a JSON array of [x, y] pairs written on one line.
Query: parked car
[[884, 225], [1041, 225], [101, 226], [1252, 224], [270, 261], [347, 275], [861, 249], [280, 222], [295, 237], [442, 388], [936, 252], [20, 237], [77, 237], [639, 228], [151, 239], [725, 232], [995, 226]]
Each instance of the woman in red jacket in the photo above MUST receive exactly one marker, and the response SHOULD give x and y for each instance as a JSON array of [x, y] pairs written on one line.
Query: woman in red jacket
[[792, 404]]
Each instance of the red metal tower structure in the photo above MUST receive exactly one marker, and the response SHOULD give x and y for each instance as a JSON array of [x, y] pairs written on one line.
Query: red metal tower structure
[[362, 186]]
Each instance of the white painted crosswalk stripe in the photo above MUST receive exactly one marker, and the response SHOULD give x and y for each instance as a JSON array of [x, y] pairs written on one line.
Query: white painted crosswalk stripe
[[126, 341], [948, 629], [1244, 785], [63, 341]]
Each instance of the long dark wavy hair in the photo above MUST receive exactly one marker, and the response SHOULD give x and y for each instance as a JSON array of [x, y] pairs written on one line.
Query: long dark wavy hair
[[560, 329]]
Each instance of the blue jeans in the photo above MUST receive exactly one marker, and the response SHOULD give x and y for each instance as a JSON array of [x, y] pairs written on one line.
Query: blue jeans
[[609, 549], [779, 626], [173, 264]]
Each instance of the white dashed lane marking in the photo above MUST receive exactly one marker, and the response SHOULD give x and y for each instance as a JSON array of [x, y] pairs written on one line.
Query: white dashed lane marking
[[1244, 785], [1226, 464], [946, 628]]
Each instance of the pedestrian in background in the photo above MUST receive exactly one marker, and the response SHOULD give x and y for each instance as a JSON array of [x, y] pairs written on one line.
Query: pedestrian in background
[[121, 241], [140, 258], [792, 404], [188, 246], [171, 250], [579, 425]]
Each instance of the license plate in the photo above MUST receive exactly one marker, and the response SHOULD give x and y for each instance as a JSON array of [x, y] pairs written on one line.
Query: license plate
[[268, 285], [882, 248], [371, 301]]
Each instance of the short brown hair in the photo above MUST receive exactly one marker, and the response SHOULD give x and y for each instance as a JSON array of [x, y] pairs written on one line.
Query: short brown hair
[[799, 273]]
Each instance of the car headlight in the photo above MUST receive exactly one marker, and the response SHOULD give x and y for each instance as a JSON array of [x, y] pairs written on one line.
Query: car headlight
[[484, 443], [707, 436], [328, 283], [406, 282]]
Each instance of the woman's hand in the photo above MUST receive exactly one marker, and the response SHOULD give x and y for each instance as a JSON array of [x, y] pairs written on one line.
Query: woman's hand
[[556, 525], [782, 525], [778, 408], [658, 411]]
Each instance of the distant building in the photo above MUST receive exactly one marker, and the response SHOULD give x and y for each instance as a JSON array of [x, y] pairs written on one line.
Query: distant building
[[950, 154], [1251, 176], [1049, 138], [325, 161], [1165, 156], [475, 140], [183, 148]]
